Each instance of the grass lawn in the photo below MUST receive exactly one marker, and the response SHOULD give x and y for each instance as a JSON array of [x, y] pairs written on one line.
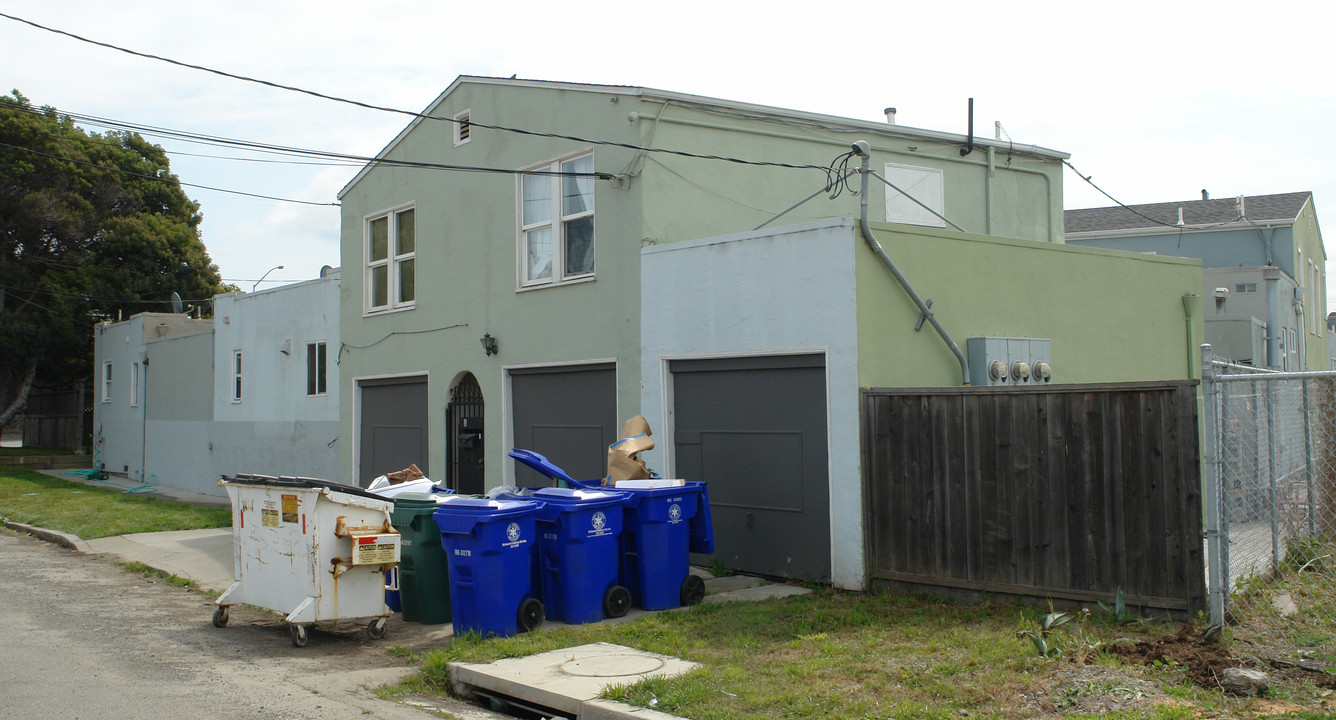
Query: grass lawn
[[30, 497], [834, 654]]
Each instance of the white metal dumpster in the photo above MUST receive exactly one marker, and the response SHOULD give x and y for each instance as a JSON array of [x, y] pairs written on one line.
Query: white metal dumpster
[[314, 549]]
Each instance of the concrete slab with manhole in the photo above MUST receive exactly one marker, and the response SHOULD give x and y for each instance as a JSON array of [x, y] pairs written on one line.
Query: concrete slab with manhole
[[568, 680]]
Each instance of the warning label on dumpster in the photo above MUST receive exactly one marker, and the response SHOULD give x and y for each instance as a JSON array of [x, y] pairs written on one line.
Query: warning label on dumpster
[[376, 550], [289, 508], [269, 514]]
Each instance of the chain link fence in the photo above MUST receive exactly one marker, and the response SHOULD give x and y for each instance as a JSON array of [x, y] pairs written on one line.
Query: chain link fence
[[1270, 499]]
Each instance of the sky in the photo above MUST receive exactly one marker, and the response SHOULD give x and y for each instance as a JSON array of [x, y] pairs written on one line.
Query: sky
[[1155, 101]]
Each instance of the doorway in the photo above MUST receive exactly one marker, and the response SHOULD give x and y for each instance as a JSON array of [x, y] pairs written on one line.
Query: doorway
[[464, 437]]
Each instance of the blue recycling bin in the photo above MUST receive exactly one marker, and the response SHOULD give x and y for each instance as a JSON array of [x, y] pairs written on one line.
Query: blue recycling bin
[[491, 551], [661, 528], [579, 551]]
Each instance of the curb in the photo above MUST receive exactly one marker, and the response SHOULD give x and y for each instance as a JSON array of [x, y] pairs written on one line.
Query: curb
[[73, 542]]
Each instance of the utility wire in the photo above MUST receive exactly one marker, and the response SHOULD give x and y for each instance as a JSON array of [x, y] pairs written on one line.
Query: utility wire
[[1141, 215], [341, 159], [162, 179], [410, 113]]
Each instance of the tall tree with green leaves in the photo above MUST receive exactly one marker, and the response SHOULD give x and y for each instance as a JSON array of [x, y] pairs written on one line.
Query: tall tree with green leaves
[[92, 227]]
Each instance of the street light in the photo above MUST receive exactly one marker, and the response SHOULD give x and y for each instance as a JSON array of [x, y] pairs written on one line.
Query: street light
[[265, 275]]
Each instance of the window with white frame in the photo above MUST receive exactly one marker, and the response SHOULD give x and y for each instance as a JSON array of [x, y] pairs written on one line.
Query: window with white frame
[[134, 385], [316, 357], [106, 381], [236, 376], [391, 248], [923, 184], [463, 128], [557, 222]]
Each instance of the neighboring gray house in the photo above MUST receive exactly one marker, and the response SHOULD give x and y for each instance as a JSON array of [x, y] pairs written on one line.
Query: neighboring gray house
[[182, 401], [1263, 268]]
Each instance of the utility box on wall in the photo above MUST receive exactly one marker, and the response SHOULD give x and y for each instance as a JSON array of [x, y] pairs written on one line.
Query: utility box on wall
[[1009, 361]]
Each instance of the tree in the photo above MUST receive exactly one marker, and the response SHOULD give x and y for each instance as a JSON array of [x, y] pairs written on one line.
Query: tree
[[92, 227]]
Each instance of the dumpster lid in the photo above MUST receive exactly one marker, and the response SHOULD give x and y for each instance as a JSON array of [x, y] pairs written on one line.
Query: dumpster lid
[[301, 482], [415, 499]]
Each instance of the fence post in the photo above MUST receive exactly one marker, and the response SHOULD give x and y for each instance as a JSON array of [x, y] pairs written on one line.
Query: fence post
[[1211, 490]]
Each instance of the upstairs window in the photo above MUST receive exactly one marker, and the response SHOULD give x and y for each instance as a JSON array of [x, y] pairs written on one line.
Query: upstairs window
[[315, 368], [391, 248], [557, 223]]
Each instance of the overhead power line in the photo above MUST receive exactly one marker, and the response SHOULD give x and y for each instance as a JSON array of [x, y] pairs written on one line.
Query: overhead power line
[[334, 158], [162, 179], [472, 121]]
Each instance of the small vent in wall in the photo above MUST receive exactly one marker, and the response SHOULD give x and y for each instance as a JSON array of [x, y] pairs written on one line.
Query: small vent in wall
[[463, 128]]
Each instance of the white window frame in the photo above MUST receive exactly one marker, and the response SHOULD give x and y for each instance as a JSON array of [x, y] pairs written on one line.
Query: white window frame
[[106, 381], [926, 184], [393, 262], [317, 361], [463, 127], [557, 221], [134, 384], [236, 376]]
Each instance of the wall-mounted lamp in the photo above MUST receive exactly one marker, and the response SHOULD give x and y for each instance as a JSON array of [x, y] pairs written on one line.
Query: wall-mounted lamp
[[489, 344]]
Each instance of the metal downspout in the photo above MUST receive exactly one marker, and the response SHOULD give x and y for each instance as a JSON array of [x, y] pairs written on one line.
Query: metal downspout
[[871, 240]]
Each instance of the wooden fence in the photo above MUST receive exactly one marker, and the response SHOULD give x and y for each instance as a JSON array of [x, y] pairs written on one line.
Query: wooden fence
[[1061, 492]]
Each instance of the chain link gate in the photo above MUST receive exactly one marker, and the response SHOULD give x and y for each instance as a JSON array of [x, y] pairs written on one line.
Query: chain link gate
[[1270, 501]]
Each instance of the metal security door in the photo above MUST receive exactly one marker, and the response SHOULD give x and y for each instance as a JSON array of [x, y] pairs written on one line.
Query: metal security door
[[464, 437]]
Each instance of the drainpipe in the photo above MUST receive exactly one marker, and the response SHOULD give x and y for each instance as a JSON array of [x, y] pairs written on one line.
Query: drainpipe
[[865, 151], [1191, 309]]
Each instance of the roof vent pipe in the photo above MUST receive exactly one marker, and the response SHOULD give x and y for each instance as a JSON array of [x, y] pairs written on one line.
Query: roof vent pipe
[[890, 116], [1180, 222], [1205, 195]]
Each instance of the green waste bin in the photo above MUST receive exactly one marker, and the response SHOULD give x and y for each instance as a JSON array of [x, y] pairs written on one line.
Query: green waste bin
[[424, 579]]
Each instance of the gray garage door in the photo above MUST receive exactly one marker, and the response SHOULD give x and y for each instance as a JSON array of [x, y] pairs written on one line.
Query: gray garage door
[[754, 429], [568, 415], [394, 427]]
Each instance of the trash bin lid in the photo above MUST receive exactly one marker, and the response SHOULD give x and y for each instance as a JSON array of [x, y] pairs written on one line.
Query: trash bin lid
[[574, 499], [459, 505], [414, 500], [544, 466]]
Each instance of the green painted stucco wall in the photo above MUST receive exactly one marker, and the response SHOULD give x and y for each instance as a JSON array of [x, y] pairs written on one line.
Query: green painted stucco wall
[[466, 262], [1307, 237], [1016, 196], [1111, 316]]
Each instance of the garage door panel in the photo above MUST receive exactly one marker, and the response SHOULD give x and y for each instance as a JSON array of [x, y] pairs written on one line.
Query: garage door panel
[[758, 458], [755, 430], [569, 447], [393, 427], [568, 415]]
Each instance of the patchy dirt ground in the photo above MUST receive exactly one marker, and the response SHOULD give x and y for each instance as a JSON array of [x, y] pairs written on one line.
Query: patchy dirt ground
[[1086, 688]]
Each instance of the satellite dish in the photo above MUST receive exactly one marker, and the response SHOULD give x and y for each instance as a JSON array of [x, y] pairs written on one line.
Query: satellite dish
[[325, 270], [177, 306]]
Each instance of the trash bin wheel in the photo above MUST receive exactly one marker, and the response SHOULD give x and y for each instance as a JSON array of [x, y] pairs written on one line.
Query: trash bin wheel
[[300, 634], [616, 601], [376, 629], [220, 616], [531, 614], [693, 590]]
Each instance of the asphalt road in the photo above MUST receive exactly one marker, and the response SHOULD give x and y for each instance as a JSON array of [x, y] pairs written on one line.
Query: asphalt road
[[82, 638]]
